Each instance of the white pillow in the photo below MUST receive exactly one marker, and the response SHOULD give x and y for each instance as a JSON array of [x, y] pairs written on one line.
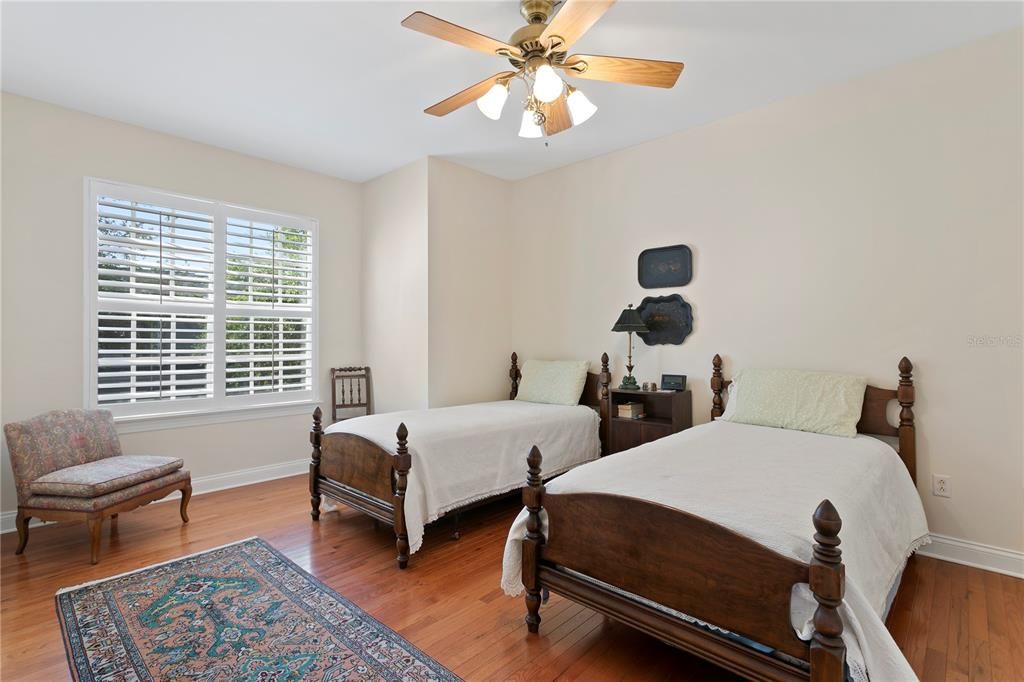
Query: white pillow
[[801, 400], [730, 401], [556, 382]]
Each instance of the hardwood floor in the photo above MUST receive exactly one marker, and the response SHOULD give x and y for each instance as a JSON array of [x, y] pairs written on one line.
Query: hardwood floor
[[952, 622]]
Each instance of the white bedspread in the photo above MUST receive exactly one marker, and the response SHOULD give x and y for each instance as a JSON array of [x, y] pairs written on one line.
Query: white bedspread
[[766, 483], [468, 452]]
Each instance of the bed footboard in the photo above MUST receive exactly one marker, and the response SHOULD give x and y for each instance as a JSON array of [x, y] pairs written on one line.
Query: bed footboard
[[604, 546], [361, 474]]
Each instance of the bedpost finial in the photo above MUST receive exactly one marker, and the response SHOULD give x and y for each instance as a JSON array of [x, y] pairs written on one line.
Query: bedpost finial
[[534, 460], [604, 360], [515, 375], [717, 384], [402, 433], [906, 367], [827, 521], [318, 414], [533, 498], [827, 578]]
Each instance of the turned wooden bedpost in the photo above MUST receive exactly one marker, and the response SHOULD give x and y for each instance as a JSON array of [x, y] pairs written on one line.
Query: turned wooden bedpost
[[605, 408], [905, 397], [515, 375], [716, 387], [827, 580], [533, 498], [315, 436], [403, 462]]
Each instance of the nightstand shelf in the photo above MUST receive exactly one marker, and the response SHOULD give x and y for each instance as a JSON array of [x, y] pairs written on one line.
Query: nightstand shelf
[[665, 413], [644, 420]]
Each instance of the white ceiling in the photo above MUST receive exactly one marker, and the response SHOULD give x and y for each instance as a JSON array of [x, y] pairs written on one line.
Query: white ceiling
[[340, 87]]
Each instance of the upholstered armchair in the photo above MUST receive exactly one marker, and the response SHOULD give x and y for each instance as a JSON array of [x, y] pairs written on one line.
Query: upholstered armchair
[[68, 466]]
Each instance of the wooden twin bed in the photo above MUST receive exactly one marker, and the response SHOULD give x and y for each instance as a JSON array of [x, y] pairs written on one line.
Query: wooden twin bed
[[603, 546], [365, 476]]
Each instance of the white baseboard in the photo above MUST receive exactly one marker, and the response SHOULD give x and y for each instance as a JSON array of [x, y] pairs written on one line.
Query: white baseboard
[[204, 484], [975, 554]]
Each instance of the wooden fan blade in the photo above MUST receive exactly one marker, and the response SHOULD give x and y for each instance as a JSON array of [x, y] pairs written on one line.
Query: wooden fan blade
[[624, 70], [556, 116], [574, 19], [453, 33], [470, 94]]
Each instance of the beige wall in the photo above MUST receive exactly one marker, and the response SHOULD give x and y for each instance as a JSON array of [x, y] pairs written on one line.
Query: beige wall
[[47, 151], [837, 231], [437, 263], [472, 268], [395, 286]]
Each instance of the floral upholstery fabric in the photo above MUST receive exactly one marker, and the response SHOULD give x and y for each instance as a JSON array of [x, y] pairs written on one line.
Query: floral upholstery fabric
[[103, 476], [57, 440], [89, 504]]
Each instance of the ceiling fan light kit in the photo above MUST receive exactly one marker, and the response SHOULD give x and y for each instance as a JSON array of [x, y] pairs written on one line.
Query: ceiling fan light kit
[[535, 52], [530, 128], [491, 104], [547, 86], [580, 108]]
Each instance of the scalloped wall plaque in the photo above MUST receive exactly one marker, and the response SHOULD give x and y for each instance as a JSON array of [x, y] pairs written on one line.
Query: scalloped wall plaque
[[669, 318]]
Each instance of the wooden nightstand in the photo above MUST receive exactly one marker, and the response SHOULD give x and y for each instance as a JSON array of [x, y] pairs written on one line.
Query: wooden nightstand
[[665, 413]]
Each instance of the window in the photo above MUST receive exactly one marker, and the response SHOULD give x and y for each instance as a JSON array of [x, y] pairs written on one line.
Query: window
[[196, 305]]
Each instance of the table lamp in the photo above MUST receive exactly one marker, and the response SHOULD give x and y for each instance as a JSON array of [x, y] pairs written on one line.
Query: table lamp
[[629, 321]]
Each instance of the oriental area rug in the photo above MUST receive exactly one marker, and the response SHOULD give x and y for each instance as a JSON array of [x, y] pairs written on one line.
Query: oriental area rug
[[239, 612]]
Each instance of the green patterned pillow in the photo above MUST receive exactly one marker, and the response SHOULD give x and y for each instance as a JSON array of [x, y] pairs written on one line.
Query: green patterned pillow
[[798, 399], [556, 382]]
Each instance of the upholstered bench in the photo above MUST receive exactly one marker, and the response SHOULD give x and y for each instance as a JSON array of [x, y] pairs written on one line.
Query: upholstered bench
[[68, 466]]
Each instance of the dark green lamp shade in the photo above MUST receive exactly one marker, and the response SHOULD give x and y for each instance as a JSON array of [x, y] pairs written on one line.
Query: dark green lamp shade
[[630, 321]]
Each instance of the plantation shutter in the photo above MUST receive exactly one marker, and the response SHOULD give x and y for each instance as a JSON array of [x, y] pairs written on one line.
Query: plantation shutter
[[198, 305], [149, 259], [269, 275]]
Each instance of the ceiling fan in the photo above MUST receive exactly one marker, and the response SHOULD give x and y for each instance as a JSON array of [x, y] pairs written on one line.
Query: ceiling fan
[[535, 52]]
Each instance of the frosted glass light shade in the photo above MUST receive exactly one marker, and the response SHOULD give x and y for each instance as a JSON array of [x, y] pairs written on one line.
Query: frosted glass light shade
[[580, 108], [491, 104], [547, 86], [529, 128]]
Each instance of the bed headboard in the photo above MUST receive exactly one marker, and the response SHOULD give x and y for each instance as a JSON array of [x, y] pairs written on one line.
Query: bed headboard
[[873, 418]]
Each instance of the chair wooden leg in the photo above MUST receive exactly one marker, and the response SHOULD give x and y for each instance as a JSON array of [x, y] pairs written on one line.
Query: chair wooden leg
[[95, 527], [21, 521], [186, 495]]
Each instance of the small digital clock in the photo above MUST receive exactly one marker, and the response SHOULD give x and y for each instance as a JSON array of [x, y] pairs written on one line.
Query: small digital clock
[[673, 382]]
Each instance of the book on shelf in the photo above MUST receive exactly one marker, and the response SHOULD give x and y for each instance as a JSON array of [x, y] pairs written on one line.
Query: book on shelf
[[631, 410]]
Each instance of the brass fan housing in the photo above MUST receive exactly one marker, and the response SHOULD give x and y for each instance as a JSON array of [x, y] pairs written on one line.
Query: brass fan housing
[[527, 40], [536, 11]]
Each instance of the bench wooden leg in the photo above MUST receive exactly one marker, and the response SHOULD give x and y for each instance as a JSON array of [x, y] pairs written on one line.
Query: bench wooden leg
[[186, 495], [95, 527], [22, 523]]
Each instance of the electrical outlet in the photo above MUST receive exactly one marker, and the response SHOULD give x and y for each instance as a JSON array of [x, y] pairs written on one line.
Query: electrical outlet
[[942, 485]]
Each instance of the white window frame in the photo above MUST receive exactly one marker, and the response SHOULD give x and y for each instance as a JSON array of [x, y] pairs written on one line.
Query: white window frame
[[220, 408]]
